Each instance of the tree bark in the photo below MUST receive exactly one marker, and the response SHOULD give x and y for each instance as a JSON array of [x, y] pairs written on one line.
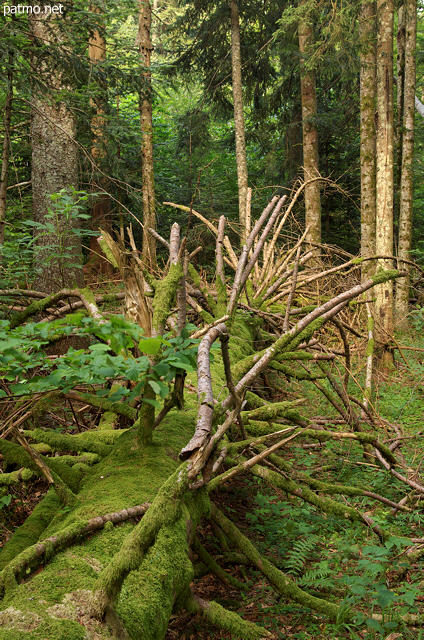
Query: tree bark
[[147, 174], [5, 154], [368, 137], [400, 85], [239, 118], [100, 211], [385, 184], [54, 167], [406, 185], [310, 137]]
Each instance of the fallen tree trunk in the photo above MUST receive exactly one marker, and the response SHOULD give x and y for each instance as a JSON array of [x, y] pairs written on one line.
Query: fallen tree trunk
[[124, 580]]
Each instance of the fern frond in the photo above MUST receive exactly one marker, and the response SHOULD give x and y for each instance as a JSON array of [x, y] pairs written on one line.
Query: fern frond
[[298, 555], [317, 577]]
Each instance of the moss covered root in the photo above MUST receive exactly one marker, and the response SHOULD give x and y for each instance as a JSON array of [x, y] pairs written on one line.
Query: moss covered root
[[280, 581], [31, 530], [232, 622]]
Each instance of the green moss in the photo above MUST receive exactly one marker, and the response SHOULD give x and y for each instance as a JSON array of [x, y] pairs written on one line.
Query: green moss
[[221, 306], [88, 295], [370, 348], [232, 622], [296, 355], [165, 292], [260, 428], [66, 442], [149, 595], [357, 260], [270, 411], [22, 475], [108, 253], [28, 533], [385, 275], [35, 307], [254, 401], [85, 459], [293, 373], [15, 454], [107, 421]]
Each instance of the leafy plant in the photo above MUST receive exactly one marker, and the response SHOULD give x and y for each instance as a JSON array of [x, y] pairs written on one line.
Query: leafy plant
[[5, 501], [63, 221], [24, 363]]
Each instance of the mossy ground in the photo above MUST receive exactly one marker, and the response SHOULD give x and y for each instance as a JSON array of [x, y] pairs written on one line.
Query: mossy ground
[[127, 477]]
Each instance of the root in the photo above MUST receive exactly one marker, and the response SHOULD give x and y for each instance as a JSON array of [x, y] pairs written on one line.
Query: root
[[280, 581], [232, 622], [40, 553]]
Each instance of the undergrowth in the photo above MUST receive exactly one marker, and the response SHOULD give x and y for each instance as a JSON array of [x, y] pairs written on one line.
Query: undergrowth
[[340, 560]]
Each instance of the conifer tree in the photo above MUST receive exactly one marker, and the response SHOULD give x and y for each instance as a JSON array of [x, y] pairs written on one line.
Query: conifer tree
[[54, 157], [148, 182], [310, 133], [408, 128], [385, 176], [100, 212], [239, 118], [6, 151], [368, 136]]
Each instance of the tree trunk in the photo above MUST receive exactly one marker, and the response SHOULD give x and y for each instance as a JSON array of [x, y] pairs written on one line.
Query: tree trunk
[[54, 167], [406, 185], [239, 118], [147, 174], [384, 215], [310, 138], [100, 212], [400, 84], [5, 154], [368, 137]]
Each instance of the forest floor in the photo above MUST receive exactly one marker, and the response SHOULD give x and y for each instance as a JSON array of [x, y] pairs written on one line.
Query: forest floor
[[338, 553], [329, 557]]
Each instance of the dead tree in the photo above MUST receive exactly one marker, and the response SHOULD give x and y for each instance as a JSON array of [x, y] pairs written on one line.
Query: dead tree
[[158, 477]]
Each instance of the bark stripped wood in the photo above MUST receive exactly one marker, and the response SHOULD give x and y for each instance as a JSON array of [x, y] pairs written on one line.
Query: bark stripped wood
[[218, 250], [204, 392], [261, 241], [324, 312], [137, 307], [158, 237], [240, 268], [232, 256], [291, 294]]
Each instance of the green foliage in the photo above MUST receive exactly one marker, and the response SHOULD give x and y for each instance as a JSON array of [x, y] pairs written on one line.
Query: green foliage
[[108, 357], [5, 501], [62, 221]]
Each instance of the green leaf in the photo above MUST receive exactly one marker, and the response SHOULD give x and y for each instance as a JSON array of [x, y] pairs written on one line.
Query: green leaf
[[154, 403], [374, 624], [155, 386], [99, 346], [150, 346]]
